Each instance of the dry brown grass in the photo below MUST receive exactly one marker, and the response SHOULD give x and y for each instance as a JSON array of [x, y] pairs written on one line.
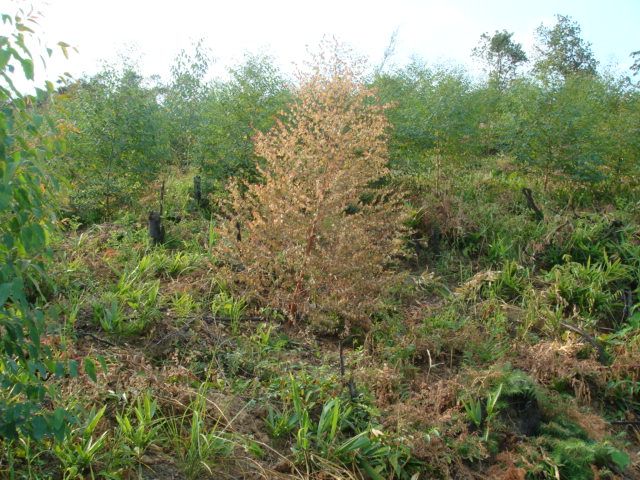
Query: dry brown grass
[[552, 361]]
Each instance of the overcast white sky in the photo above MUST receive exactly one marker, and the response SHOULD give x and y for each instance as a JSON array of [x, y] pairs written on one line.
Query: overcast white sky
[[435, 30]]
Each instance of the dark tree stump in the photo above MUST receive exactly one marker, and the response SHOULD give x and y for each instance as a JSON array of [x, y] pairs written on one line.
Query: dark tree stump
[[156, 230]]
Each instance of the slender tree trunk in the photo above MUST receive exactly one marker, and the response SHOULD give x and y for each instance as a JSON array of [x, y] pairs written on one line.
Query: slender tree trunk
[[311, 240]]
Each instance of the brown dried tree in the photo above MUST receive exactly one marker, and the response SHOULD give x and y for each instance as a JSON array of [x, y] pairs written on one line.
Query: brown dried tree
[[319, 234]]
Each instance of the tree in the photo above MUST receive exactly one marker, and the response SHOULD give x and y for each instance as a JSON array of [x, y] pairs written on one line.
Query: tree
[[184, 102], [435, 113], [635, 68], [555, 129], [501, 57], [618, 126], [317, 235], [236, 108], [117, 142], [26, 217], [561, 51]]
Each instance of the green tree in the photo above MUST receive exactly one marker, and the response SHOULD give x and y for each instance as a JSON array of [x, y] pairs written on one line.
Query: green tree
[[501, 57], [561, 51], [435, 113], [635, 68], [555, 129], [184, 101], [247, 102], [117, 140], [618, 127], [26, 216]]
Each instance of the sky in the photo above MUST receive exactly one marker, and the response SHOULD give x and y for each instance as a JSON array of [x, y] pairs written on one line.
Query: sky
[[437, 31]]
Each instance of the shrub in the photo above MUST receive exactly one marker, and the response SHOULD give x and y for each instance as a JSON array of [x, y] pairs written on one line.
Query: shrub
[[25, 220], [116, 141], [316, 238], [248, 101]]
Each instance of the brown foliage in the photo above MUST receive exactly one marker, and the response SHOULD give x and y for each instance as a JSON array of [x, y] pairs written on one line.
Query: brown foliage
[[551, 361], [317, 238]]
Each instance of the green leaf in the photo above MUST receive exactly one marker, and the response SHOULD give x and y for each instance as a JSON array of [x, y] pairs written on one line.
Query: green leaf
[[39, 427], [334, 420], [58, 419], [90, 369], [621, 459], [4, 59], [59, 370], [58, 425], [354, 443], [21, 27], [65, 48], [103, 363], [255, 449], [367, 467], [73, 368], [5, 291], [37, 120], [27, 67], [95, 418]]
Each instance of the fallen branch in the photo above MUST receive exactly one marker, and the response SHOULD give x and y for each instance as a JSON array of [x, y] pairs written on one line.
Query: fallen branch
[[228, 320], [603, 358]]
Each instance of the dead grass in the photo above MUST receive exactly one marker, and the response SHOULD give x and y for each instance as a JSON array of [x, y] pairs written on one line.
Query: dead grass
[[553, 361]]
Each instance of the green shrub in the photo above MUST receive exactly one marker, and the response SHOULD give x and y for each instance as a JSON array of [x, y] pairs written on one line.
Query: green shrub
[[27, 202]]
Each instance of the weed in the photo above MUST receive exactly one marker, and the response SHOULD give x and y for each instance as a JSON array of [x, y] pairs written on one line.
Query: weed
[[183, 304], [589, 288], [199, 444], [483, 416], [224, 305], [81, 451], [136, 436]]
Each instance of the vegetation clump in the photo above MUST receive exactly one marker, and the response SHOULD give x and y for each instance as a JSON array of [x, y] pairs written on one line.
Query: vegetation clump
[[316, 237]]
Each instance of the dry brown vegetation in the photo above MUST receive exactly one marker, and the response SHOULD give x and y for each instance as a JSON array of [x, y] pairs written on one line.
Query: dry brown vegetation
[[316, 238]]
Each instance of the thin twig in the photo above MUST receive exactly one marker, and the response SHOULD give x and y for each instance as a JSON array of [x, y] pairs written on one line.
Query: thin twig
[[624, 422], [95, 337], [532, 205], [210, 319], [627, 298], [340, 352], [353, 391]]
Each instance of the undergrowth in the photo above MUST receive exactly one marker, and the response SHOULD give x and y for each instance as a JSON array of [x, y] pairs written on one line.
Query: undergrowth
[[484, 362]]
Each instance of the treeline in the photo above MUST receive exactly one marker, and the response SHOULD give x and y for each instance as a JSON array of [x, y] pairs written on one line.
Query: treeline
[[561, 119], [122, 131]]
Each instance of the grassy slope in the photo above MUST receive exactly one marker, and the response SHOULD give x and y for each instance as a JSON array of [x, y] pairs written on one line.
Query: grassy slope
[[470, 370]]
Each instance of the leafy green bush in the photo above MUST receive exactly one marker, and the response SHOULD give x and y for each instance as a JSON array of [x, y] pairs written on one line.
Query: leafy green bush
[[117, 141], [26, 216]]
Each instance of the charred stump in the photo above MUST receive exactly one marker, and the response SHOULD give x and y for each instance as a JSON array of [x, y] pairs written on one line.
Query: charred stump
[[156, 229]]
